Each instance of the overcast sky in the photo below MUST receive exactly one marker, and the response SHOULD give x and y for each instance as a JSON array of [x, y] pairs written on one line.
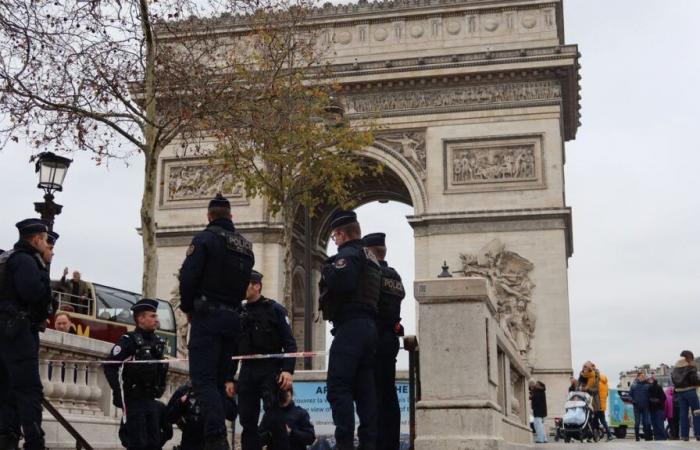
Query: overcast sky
[[632, 178]]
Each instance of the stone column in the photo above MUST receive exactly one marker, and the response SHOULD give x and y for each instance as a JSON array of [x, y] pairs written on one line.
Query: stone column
[[466, 364]]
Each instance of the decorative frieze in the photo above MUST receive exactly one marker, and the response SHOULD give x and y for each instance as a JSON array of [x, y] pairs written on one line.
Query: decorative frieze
[[488, 164], [192, 182], [427, 100], [408, 143]]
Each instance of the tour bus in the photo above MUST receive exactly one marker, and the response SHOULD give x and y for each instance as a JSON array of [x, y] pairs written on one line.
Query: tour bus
[[105, 314]]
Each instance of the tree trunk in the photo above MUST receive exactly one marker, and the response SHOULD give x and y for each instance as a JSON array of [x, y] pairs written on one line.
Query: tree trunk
[[148, 227], [287, 242]]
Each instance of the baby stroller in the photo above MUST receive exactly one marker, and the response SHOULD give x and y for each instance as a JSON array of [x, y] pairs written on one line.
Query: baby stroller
[[577, 422]]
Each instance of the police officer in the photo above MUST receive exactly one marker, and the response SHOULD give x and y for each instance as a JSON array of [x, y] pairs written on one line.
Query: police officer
[[389, 329], [184, 409], [140, 384], [350, 285], [213, 281], [264, 329], [25, 299]]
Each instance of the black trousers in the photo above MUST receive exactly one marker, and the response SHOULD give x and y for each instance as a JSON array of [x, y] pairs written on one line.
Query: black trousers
[[213, 341], [351, 380], [20, 387], [143, 424], [257, 383], [388, 410]]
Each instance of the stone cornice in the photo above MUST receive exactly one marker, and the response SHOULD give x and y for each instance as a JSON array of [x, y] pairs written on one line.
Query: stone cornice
[[545, 218]]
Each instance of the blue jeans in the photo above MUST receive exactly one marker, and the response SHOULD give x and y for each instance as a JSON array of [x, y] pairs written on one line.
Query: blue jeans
[[540, 435], [642, 416], [658, 419], [688, 400]]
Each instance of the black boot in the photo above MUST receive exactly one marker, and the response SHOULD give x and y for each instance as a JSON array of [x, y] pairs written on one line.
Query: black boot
[[9, 441], [217, 443]]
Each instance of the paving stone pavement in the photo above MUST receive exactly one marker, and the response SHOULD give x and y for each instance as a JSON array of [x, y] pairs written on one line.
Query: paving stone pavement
[[626, 444]]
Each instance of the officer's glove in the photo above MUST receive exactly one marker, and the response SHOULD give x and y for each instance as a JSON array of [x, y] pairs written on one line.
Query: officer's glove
[[117, 401]]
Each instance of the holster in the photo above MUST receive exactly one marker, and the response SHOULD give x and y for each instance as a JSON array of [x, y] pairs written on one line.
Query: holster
[[12, 322]]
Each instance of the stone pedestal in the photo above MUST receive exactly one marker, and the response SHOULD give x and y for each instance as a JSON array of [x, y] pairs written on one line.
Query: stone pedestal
[[473, 380]]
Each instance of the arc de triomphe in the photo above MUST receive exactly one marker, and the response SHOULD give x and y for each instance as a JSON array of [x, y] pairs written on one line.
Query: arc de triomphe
[[476, 99]]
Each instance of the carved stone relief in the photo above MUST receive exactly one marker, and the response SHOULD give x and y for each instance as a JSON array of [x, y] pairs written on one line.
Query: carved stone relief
[[410, 144], [455, 97], [478, 165], [186, 181], [509, 274]]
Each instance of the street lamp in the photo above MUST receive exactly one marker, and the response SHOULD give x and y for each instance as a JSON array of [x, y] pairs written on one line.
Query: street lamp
[[52, 171]]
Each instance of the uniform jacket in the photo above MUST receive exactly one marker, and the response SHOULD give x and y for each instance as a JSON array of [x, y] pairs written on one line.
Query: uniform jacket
[[538, 396], [27, 286], [392, 293], [124, 349], [176, 413], [685, 376], [284, 330], [209, 267], [639, 391], [296, 418], [340, 276]]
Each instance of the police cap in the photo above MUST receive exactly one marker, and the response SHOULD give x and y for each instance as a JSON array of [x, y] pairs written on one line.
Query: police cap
[[219, 202], [31, 226], [341, 218], [144, 305], [256, 277], [374, 240], [52, 238]]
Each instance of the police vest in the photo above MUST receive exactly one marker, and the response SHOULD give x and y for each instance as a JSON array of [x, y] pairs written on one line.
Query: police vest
[[392, 293], [238, 263], [370, 282], [259, 332], [145, 381]]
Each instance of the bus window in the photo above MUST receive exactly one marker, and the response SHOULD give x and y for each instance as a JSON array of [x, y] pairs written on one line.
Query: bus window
[[166, 316], [115, 304]]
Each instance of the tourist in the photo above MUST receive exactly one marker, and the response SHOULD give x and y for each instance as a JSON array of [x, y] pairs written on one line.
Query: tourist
[[590, 383], [78, 290], [685, 380], [657, 401], [538, 398], [603, 392], [671, 408], [62, 322], [639, 391]]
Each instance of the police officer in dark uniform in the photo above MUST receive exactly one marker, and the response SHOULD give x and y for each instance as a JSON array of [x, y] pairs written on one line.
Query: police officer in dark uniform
[[213, 281], [264, 329], [140, 384], [298, 427], [389, 329], [25, 302], [350, 285]]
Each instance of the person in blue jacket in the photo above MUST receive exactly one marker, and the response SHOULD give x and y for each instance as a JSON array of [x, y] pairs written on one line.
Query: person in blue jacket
[[297, 423], [639, 391]]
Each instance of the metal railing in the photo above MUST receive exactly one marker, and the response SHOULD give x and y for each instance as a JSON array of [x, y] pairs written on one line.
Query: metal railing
[[410, 344], [80, 442]]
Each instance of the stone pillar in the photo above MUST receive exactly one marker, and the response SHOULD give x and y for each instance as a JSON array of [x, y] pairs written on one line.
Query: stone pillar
[[469, 370]]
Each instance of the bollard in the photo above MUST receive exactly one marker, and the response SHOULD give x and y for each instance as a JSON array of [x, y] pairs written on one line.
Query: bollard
[[410, 344]]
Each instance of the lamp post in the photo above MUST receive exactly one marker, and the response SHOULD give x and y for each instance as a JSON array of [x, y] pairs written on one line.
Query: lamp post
[[52, 171]]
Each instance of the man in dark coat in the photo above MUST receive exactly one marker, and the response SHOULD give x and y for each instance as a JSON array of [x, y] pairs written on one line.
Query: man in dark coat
[[685, 382], [538, 398], [639, 391], [657, 402]]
